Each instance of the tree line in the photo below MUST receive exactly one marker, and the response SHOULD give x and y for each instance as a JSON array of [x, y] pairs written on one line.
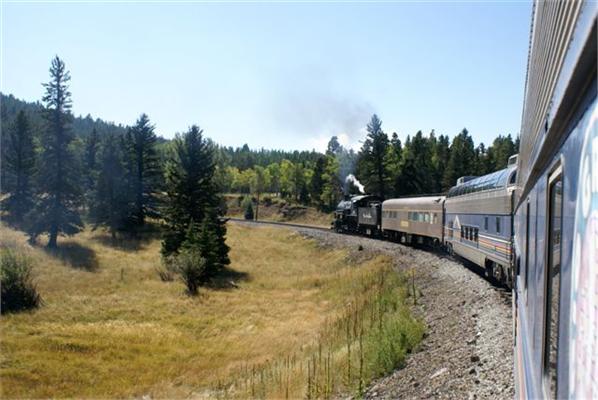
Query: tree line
[[54, 182], [424, 164]]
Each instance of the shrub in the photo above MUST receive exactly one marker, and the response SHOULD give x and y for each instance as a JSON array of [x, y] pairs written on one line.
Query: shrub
[[190, 266], [18, 290], [248, 209], [267, 200], [166, 271]]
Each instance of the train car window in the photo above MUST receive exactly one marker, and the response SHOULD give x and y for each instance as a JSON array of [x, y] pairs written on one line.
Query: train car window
[[435, 219], [527, 266], [451, 229], [475, 234], [462, 232], [426, 217], [497, 224], [513, 178], [486, 223], [552, 289]]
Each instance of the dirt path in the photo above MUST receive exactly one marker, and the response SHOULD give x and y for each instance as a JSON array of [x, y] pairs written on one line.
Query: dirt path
[[467, 352]]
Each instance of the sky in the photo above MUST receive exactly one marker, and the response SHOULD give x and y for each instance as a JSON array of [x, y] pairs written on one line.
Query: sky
[[284, 75]]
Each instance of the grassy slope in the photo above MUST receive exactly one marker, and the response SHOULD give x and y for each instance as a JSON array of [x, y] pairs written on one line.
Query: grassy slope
[[117, 330], [275, 211]]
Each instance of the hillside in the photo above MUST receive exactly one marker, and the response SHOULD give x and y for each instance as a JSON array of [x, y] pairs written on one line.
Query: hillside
[[272, 208], [82, 126]]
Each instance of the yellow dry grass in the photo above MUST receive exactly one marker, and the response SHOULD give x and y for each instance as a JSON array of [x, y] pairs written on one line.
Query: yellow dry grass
[[109, 327]]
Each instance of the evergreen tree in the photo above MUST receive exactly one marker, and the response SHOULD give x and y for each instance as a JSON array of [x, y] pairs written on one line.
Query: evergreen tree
[[373, 160], [111, 202], [316, 185], [19, 168], [192, 197], [92, 144], [441, 155], [333, 146], [333, 187], [144, 168], [247, 209], [395, 158], [461, 161], [417, 169], [59, 191], [502, 148]]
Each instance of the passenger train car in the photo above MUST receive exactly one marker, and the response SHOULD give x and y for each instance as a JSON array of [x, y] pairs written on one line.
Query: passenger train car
[[479, 223], [556, 212], [413, 220]]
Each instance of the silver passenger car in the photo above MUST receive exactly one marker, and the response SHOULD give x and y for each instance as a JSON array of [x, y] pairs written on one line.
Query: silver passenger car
[[479, 223], [413, 219]]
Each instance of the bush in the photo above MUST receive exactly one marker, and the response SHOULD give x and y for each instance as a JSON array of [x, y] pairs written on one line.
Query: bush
[[166, 271], [18, 290], [190, 266], [267, 200], [248, 209]]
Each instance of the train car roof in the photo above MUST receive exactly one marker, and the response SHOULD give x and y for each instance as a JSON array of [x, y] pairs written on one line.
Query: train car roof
[[561, 37], [495, 180], [413, 201]]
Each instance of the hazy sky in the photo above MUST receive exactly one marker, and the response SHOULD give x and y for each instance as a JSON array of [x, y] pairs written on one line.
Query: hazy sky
[[279, 75]]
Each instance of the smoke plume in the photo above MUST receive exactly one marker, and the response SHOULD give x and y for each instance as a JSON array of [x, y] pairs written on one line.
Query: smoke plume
[[352, 179]]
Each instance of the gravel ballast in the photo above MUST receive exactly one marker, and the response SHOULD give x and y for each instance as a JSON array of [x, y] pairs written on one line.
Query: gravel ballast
[[467, 352]]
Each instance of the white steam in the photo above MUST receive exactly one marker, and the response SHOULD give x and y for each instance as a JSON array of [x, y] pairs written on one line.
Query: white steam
[[352, 179]]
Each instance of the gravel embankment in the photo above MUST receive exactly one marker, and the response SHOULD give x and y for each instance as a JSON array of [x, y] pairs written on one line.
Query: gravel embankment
[[467, 351]]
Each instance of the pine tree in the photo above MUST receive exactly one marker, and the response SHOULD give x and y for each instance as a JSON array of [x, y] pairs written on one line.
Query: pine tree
[[58, 185], [19, 168], [395, 157], [461, 161], [92, 144], [110, 200], [417, 168], [144, 168], [190, 188], [316, 185], [247, 209], [373, 160], [503, 147], [441, 157], [333, 188]]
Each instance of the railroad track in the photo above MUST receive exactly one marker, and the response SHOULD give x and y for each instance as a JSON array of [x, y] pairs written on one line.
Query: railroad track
[[504, 292], [291, 225]]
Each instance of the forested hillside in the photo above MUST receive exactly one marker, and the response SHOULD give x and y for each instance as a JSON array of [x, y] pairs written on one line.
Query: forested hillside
[[423, 163]]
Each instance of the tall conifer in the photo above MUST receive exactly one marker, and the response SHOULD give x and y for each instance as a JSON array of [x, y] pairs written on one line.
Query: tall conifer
[[144, 168], [58, 186], [19, 166]]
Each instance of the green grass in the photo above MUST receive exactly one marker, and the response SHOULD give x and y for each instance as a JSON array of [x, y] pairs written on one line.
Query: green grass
[[109, 327]]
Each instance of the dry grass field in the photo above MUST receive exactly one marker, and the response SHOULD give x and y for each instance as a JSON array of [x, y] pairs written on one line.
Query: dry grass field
[[299, 321]]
